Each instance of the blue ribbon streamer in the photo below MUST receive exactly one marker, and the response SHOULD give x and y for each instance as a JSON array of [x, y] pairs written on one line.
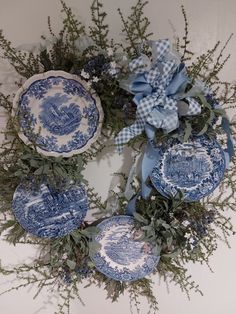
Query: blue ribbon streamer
[[229, 151]]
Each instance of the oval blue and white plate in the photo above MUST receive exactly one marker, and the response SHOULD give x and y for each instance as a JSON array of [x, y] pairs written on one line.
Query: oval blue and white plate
[[59, 113], [195, 167], [122, 256], [47, 213]]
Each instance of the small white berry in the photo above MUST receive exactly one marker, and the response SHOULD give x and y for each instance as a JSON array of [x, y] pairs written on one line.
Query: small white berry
[[110, 52], [64, 256], [113, 64], [185, 223], [84, 74], [95, 79]]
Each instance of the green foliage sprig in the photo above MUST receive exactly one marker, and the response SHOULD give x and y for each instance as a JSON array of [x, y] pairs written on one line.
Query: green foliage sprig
[[135, 26], [26, 64], [186, 54], [99, 32], [73, 28]]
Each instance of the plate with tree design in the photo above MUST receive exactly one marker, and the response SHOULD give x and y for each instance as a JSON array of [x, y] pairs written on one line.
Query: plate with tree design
[[58, 113]]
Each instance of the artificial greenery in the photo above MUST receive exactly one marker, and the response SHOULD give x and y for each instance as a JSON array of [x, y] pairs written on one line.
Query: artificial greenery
[[26, 64], [135, 27], [99, 31], [178, 231]]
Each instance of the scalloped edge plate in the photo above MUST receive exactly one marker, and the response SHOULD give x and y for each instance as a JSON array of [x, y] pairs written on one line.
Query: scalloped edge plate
[[66, 75]]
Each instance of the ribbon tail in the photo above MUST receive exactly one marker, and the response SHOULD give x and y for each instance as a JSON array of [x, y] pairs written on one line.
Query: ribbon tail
[[126, 135], [150, 158], [194, 107], [131, 207], [134, 172], [229, 151]]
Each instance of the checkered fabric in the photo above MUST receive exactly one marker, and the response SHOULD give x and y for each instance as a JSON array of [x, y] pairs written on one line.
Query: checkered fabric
[[160, 48], [194, 107], [157, 109], [140, 64]]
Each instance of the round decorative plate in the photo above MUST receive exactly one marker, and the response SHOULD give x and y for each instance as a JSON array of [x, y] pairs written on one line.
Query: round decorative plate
[[122, 256], [195, 167], [58, 113], [44, 212]]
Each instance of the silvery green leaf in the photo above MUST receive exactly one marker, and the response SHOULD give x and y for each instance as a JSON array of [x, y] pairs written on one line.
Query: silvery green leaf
[[174, 254], [175, 135], [60, 171], [156, 250], [34, 163], [94, 247], [76, 237], [82, 179], [220, 112], [68, 248], [90, 231], [169, 242], [188, 131], [146, 228], [18, 173], [90, 264], [46, 169], [39, 171], [26, 156], [203, 130], [140, 218], [71, 264]]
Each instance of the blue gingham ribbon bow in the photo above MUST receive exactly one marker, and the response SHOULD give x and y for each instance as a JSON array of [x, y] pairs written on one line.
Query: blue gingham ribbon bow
[[158, 86]]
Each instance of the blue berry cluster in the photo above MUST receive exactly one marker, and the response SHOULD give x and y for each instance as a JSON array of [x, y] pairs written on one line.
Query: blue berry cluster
[[82, 271], [97, 65], [201, 225]]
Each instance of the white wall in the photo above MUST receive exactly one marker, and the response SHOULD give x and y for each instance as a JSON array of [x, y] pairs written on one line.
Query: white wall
[[23, 22]]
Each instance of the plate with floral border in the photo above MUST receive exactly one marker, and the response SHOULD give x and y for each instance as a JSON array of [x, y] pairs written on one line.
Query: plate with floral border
[[58, 113], [195, 167], [122, 255], [45, 212]]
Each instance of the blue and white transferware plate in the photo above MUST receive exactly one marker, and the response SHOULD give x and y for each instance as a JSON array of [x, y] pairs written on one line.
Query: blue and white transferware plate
[[58, 113], [44, 212], [195, 167], [122, 256]]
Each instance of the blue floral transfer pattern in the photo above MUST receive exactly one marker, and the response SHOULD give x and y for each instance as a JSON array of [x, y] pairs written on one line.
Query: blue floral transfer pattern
[[196, 168], [121, 256], [44, 212], [58, 114], [39, 88], [71, 87]]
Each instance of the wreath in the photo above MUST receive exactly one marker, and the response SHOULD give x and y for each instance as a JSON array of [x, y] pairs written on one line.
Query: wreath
[[80, 90]]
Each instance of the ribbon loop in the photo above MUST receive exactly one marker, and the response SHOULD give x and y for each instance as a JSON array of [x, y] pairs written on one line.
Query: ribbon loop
[[160, 49], [140, 64]]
